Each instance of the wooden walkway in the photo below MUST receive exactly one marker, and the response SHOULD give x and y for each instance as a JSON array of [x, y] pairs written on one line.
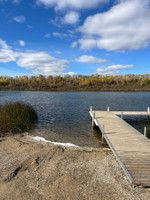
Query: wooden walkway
[[130, 147], [131, 113]]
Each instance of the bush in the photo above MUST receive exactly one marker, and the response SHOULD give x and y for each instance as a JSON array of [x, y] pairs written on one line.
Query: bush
[[16, 117]]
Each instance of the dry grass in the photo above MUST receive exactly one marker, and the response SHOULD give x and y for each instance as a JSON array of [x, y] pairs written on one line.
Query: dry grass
[[16, 117]]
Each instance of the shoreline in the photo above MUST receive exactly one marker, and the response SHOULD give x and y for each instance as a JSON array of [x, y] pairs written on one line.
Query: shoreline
[[43, 170], [75, 91], [45, 141]]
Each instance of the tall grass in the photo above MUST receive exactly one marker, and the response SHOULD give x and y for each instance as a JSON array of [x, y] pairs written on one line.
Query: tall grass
[[16, 117]]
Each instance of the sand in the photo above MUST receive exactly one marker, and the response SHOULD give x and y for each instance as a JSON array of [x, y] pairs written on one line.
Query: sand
[[37, 170]]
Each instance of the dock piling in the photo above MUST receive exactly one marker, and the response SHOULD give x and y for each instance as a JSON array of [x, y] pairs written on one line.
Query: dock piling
[[108, 109], [93, 119], [121, 115], [103, 132], [148, 109], [145, 131], [90, 108]]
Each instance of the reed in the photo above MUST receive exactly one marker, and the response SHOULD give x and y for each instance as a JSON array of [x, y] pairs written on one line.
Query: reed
[[16, 117]]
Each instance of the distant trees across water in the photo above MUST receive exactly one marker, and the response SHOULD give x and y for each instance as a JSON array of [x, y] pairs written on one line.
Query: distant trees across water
[[77, 83]]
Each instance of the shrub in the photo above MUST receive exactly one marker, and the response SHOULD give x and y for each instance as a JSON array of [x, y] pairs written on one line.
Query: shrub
[[16, 117]]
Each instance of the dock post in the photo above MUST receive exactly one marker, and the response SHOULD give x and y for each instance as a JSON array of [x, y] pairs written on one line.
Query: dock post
[[148, 109], [145, 131], [103, 132], [93, 118], [90, 108], [108, 109], [121, 115]]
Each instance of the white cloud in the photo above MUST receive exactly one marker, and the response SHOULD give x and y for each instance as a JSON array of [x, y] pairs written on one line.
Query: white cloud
[[60, 35], [58, 52], [19, 19], [87, 43], [6, 54], [71, 4], [72, 33], [55, 22], [3, 44], [74, 44], [42, 63], [13, 1], [22, 43], [113, 69], [72, 73], [29, 27], [47, 35], [89, 59], [126, 26], [37, 62], [17, 1], [64, 35], [71, 18]]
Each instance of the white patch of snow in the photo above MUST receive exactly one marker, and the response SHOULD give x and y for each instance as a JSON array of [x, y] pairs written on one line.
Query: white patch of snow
[[37, 138], [41, 139]]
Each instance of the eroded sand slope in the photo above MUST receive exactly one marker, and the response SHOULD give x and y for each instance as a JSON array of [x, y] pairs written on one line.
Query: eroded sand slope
[[38, 171]]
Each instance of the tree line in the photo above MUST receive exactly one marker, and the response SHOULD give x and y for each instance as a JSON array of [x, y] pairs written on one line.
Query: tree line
[[77, 83]]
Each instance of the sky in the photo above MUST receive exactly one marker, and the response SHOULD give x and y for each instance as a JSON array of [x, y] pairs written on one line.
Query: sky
[[75, 37]]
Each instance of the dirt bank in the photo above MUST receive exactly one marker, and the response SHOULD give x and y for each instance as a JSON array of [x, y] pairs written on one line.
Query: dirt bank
[[40, 171]]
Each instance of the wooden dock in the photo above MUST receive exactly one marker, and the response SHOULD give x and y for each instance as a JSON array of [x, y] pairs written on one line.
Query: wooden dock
[[131, 148]]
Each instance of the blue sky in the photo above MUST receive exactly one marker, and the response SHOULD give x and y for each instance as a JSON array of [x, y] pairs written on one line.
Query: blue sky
[[56, 37]]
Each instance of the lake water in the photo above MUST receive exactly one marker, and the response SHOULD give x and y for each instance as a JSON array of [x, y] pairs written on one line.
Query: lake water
[[64, 116]]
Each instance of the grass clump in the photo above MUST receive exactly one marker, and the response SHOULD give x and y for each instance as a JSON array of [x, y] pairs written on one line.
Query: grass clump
[[16, 117]]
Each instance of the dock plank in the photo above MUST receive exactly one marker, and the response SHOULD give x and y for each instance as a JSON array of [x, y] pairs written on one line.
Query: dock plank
[[130, 147]]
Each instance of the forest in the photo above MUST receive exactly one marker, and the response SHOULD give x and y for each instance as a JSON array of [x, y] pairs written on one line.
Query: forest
[[76, 83]]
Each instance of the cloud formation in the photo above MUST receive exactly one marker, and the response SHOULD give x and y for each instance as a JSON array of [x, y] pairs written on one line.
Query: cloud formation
[[126, 26], [22, 43], [87, 43], [74, 44], [42, 63], [89, 59], [72, 73], [112, 69], [37, 62], [47, 35], [29, 27], [71, 4], [71, 18], [17, 1], [58, 52], [60, 35], [13, 1], [19, 19], [6, 54]]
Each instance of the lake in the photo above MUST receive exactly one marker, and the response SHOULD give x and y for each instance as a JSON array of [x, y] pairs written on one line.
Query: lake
[[64, 116]]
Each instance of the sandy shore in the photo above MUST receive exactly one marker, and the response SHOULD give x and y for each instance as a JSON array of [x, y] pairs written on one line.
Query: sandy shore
[[30, 169]]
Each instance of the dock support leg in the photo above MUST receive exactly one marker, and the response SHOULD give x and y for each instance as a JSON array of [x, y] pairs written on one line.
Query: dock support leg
[[121, 115], [145, 131], [103, 132], [90, 108], [108, 109], [93, 124], [148, 112]]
